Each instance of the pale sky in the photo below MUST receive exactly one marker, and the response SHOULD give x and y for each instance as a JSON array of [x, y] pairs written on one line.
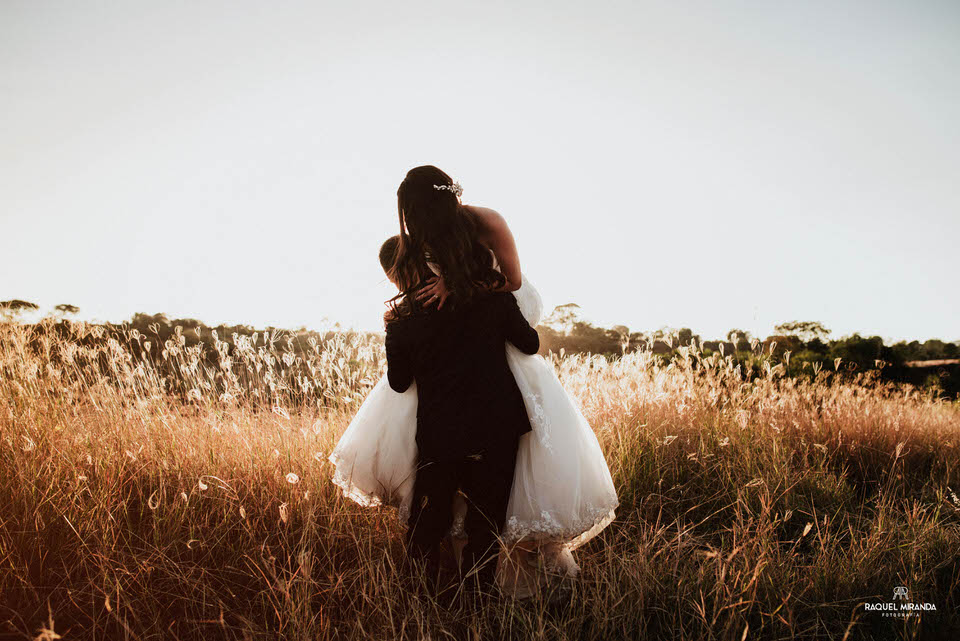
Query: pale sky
[[710, 165]]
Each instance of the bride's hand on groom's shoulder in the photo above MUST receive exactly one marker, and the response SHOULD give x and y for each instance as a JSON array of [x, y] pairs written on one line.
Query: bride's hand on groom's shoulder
[[434, 292]]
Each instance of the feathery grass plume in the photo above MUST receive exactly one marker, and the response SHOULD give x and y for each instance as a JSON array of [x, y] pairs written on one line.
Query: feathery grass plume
[[772, 505]]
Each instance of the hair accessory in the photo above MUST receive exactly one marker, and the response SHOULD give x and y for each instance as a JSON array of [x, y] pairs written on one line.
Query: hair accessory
[[455, 188]]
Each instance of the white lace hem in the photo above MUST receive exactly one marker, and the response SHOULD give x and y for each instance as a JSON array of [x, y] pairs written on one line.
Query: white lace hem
[[547, 530], [355, 493], [550, 529]]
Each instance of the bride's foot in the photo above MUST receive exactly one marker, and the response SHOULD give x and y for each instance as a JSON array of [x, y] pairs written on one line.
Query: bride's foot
[[558, 560]]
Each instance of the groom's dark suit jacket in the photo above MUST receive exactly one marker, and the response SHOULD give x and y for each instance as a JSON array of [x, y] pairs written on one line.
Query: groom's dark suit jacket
[[468, 397]]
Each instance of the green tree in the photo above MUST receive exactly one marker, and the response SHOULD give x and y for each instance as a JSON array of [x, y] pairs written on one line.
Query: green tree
[[865, 352], [935, 349], [740, 339], [620, 334], [804, 330], [13, 308], [685, 335], [563, 318]]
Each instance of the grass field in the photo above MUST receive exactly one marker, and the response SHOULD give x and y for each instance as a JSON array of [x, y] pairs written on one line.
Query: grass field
[[768, 509]]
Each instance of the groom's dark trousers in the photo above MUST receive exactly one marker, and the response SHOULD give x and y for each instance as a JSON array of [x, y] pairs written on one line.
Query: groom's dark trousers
[[485, 481], [470, 416]]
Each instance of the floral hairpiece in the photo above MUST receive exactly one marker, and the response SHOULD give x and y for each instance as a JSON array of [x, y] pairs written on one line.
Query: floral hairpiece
[[455, 188]]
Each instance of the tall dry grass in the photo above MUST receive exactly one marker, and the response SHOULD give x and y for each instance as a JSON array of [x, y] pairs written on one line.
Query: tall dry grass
[[771, 508]]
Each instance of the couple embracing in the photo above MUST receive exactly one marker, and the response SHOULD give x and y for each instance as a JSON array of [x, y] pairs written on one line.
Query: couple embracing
[[470, 434]]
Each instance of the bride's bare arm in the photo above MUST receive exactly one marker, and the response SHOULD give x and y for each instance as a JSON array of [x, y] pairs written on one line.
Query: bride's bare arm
[[496, 234]]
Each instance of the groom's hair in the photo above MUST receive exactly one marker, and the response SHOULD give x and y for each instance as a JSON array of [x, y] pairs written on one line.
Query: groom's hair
[[400, 305], [388, 253]]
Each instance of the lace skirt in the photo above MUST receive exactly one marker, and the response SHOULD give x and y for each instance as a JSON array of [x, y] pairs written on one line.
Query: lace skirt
[[562, 494], [562, 489]]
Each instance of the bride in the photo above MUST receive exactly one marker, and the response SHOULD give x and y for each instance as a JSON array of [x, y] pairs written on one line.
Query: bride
[[562, 493]]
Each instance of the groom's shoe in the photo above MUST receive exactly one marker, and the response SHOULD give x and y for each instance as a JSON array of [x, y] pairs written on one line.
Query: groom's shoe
[[441, 578], [559, 594], [411, 574], [479, 578], [428, 577]]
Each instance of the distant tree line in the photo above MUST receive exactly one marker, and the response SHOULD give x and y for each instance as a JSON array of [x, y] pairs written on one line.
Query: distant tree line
[[800, 345], [241, 353], [803, 346]]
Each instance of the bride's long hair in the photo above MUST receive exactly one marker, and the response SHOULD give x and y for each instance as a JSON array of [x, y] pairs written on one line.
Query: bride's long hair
[[436, 228]]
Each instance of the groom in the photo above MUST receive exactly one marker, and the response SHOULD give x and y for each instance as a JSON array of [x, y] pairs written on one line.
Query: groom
[[469, 418]]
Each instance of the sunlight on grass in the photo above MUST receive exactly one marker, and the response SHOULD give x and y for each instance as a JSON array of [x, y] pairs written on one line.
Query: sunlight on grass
[[145, 490]]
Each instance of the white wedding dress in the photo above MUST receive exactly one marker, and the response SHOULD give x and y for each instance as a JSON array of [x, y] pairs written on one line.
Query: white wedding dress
[[562, 493]]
